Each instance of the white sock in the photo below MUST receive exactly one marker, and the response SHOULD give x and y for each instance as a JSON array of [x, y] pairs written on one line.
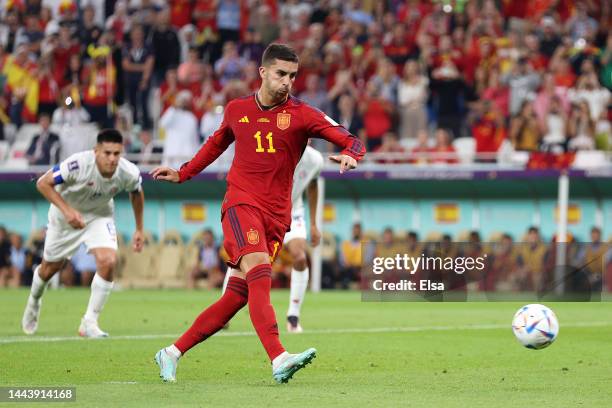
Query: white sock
[[38, 287], [173, 351], [299, 284], [100, 289], [280, 359], [228, 273]]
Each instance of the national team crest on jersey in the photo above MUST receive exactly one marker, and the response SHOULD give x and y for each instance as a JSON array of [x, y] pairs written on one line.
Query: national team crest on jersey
[[253, 237], [283, 120]]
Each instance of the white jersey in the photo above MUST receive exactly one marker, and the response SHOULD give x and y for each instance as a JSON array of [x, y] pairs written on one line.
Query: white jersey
[[79, 182], [308, 168]]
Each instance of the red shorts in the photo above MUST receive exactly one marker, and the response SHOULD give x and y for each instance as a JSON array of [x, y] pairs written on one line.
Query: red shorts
[[247, 229]]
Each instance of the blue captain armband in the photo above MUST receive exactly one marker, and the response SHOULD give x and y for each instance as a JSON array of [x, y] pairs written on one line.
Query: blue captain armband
[[57, 175]]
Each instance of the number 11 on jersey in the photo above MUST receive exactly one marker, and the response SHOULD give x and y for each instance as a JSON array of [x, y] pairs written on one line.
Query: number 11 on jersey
[[260, 148]]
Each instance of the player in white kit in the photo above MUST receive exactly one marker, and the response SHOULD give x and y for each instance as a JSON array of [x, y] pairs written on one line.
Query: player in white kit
[[81, 191], [304, 180]]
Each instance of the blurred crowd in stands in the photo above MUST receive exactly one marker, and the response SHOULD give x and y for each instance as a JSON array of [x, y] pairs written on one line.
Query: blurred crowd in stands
[[407, 76], [512, 264]]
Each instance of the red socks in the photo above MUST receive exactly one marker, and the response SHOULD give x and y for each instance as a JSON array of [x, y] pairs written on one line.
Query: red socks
[[218, 314], [259, 281], [256, 290]]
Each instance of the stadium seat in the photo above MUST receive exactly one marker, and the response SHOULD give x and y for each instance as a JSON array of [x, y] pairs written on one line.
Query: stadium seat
[[87, 139], [519, 158], [433, 236], [139, 270], [172, 237], [329, 246], [16, 163], [495, 236], [466, 149], [23, 139], [171, 273], [463, 236], [10, 132], [400, 236], [589, 159], [408, 143], [190, 251], [371, 235], [4, 148], [170, 262]]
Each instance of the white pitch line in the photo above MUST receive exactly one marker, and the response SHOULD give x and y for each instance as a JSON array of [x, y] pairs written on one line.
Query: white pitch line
[[121, 382], [34, 339]]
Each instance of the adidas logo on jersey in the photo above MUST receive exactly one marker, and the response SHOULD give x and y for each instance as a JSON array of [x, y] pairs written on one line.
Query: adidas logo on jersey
[[244, 119]]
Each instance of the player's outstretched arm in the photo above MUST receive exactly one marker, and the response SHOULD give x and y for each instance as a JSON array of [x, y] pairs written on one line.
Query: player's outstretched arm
[[137, 200], [45, 185], [322, 126], [346, 162], [166, 174]]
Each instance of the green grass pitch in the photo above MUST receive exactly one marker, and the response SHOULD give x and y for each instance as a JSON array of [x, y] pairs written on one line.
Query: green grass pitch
[[374, 354]]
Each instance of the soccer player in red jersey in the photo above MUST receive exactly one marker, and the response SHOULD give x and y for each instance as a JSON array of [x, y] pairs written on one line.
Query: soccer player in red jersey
[[270, 129]]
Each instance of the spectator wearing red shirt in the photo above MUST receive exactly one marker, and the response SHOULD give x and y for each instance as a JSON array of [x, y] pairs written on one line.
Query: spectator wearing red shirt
[[48, 88], [376, 113], [99, 86], [119, 22], [400, 47], [444, 148], [497, 93], [447, 50], [67, 46], [538, 61], [561, 67], [181, 11], [390, 144], [420, 152], [488, 128], [205, 15]]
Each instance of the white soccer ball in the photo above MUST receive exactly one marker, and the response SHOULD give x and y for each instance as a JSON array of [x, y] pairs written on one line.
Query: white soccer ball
[[535, 326]]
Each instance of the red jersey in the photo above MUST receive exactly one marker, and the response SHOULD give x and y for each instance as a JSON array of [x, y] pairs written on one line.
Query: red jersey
[[269, 144]]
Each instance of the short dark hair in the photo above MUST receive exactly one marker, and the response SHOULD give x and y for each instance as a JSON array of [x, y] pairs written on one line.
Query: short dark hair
[[278, 51], [110, 136]]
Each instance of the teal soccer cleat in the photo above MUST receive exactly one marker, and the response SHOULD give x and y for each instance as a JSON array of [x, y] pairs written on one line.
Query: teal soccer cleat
[[293, 364], [167, 366]]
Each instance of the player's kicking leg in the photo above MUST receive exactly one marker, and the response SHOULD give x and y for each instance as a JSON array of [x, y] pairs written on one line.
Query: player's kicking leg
[[299, 283], [101, 286], [206, 324], [42, 274], [259, 281]]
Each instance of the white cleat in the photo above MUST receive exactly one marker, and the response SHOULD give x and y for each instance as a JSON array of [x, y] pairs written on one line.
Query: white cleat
[[167, 365], [293, 325], [29, 323], [91, 330]]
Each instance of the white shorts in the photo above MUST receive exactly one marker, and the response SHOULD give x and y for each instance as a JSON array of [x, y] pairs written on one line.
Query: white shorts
[[298, 227], [62, 240]]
